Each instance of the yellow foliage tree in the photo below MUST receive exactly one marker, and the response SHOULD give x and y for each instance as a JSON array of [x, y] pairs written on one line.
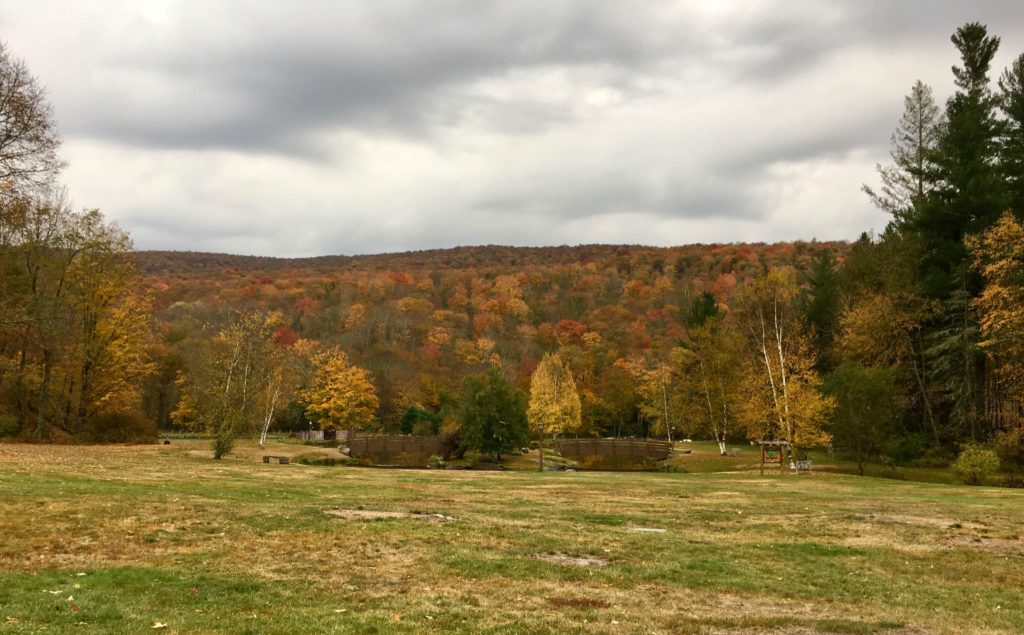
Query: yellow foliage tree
[[339, 395], [235, 385], [712, 369], [886, 330], [785, 400], [998, 256], [554, 401], [653, 384]]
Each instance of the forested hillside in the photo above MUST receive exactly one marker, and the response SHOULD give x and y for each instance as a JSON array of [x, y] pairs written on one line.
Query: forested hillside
[[422, 322]]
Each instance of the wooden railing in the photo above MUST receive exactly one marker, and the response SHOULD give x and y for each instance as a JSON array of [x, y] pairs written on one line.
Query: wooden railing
[[614, 447], [393, 445]]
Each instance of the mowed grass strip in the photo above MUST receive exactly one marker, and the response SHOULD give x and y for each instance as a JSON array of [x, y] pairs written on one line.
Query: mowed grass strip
[[165, 536]]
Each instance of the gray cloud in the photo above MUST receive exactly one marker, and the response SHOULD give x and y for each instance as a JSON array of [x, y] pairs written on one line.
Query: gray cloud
[[324, 127]]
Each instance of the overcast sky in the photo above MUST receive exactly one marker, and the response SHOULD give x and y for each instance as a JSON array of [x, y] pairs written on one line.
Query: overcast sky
[[310, 128]]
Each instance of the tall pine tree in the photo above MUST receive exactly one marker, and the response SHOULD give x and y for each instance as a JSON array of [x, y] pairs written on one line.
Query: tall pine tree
[[1011, 85], [970, 194]]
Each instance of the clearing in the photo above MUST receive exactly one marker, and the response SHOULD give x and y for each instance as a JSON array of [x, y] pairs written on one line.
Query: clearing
[[126, 539]]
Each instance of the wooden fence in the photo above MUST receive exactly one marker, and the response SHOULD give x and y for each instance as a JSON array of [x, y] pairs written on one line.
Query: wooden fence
[[387, 445], [318, 435], [638, 448]]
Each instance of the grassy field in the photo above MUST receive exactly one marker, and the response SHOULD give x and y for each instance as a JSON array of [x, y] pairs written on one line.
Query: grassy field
[[132, 539]]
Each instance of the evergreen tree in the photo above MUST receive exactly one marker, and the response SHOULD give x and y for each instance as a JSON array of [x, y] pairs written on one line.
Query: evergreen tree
[[702, 308], [970, 194], [493, 415], [822, 301], [911, 177], [1011, 85]]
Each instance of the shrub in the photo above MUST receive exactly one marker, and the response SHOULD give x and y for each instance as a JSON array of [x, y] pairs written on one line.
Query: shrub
[[321, 460], [119, 427], [905, 448], [935, 457], [975, 464], [223, 443], [1009, 447], [451, 446], [9, 426]]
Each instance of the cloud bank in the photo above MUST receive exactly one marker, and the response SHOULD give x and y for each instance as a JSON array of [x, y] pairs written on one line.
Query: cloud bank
[[313, 128]]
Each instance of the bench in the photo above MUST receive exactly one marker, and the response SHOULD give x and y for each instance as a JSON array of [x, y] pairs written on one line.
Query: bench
[[281, 460], [802, 466]]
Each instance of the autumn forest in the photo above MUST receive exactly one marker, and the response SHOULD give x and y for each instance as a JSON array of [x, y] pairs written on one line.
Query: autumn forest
[[904, 346]]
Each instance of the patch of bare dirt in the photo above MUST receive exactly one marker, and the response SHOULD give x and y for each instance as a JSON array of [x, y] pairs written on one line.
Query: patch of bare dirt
[[579, 603], [924, 521], [367, 514], [572, 561], [1001, 546]]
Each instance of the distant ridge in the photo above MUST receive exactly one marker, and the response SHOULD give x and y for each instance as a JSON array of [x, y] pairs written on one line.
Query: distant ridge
[[480, 256]]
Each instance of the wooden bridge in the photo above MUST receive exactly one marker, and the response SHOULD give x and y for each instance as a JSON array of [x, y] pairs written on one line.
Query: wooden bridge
[[639, 448]]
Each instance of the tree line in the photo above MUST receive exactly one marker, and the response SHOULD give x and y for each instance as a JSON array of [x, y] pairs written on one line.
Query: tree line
[[901, 347]]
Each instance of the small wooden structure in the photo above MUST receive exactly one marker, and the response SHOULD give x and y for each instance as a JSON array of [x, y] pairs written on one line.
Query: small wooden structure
[[318, 435], [773, 445], [282, 460]]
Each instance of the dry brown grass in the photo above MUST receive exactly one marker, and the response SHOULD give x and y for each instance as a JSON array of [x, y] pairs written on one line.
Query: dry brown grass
[[740, 554]]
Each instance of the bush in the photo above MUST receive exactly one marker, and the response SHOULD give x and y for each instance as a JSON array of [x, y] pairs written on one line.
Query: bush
[[935, 457], [1009, 447], [223, 443], [321, 460], [905, 448], [451, 446], [975, 464], [119, 427], [9, 426]]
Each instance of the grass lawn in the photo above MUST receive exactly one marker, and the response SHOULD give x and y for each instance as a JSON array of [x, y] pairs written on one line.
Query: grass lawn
[[125, 539]]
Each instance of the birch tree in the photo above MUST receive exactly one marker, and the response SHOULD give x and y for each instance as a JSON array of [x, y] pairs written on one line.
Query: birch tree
[[232, 387], [791, 406], [712, 367]]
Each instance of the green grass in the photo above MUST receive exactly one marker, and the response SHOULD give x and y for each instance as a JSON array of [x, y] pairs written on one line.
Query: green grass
[[165, 535]]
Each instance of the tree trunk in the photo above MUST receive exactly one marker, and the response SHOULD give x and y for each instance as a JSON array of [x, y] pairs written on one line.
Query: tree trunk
[[664, 397], [44, 396], [711, 411]]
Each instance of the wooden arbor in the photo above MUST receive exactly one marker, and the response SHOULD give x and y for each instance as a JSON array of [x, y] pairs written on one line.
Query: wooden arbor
[[777, 446]]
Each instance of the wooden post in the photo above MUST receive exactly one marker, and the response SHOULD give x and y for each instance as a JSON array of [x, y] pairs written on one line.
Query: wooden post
[[540, 446]]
